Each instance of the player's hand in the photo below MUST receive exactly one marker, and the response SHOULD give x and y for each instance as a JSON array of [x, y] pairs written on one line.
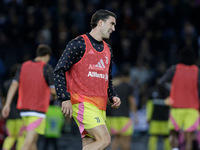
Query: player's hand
[[116, 102], [6, 111], [67, 108], [168, 101]]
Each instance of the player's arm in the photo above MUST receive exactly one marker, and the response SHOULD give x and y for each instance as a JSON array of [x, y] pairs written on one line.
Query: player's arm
[[112, 96], [167, 77], [71, 55], [48, 75], [11, 93], [73, 52]]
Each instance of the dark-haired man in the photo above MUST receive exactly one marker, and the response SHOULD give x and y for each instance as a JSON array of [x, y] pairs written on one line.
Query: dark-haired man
[[120, 123], [35, 81], [184, 100], [83, 81], [14, 124]]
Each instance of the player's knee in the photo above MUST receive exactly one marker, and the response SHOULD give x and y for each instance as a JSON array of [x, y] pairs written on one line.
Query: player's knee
[[107, 141]]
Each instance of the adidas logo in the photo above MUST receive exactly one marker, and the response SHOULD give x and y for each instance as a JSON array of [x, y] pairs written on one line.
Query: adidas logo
[[91, 51], [100, 64]]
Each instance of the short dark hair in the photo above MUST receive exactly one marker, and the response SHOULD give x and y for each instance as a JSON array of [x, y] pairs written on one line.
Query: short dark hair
[[100, 15], [187, 56], [43, 50]]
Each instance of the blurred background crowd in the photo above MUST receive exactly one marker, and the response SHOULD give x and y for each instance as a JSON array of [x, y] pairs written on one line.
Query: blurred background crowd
[[148, 36]]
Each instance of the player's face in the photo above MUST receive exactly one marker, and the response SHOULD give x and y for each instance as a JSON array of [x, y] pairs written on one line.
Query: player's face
[[108, 26]]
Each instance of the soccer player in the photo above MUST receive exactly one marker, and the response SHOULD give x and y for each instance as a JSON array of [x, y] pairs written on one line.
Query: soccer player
[[83, 81], [35, 81], [184, 100], [120, 122], [157, 117], [14, 123]]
